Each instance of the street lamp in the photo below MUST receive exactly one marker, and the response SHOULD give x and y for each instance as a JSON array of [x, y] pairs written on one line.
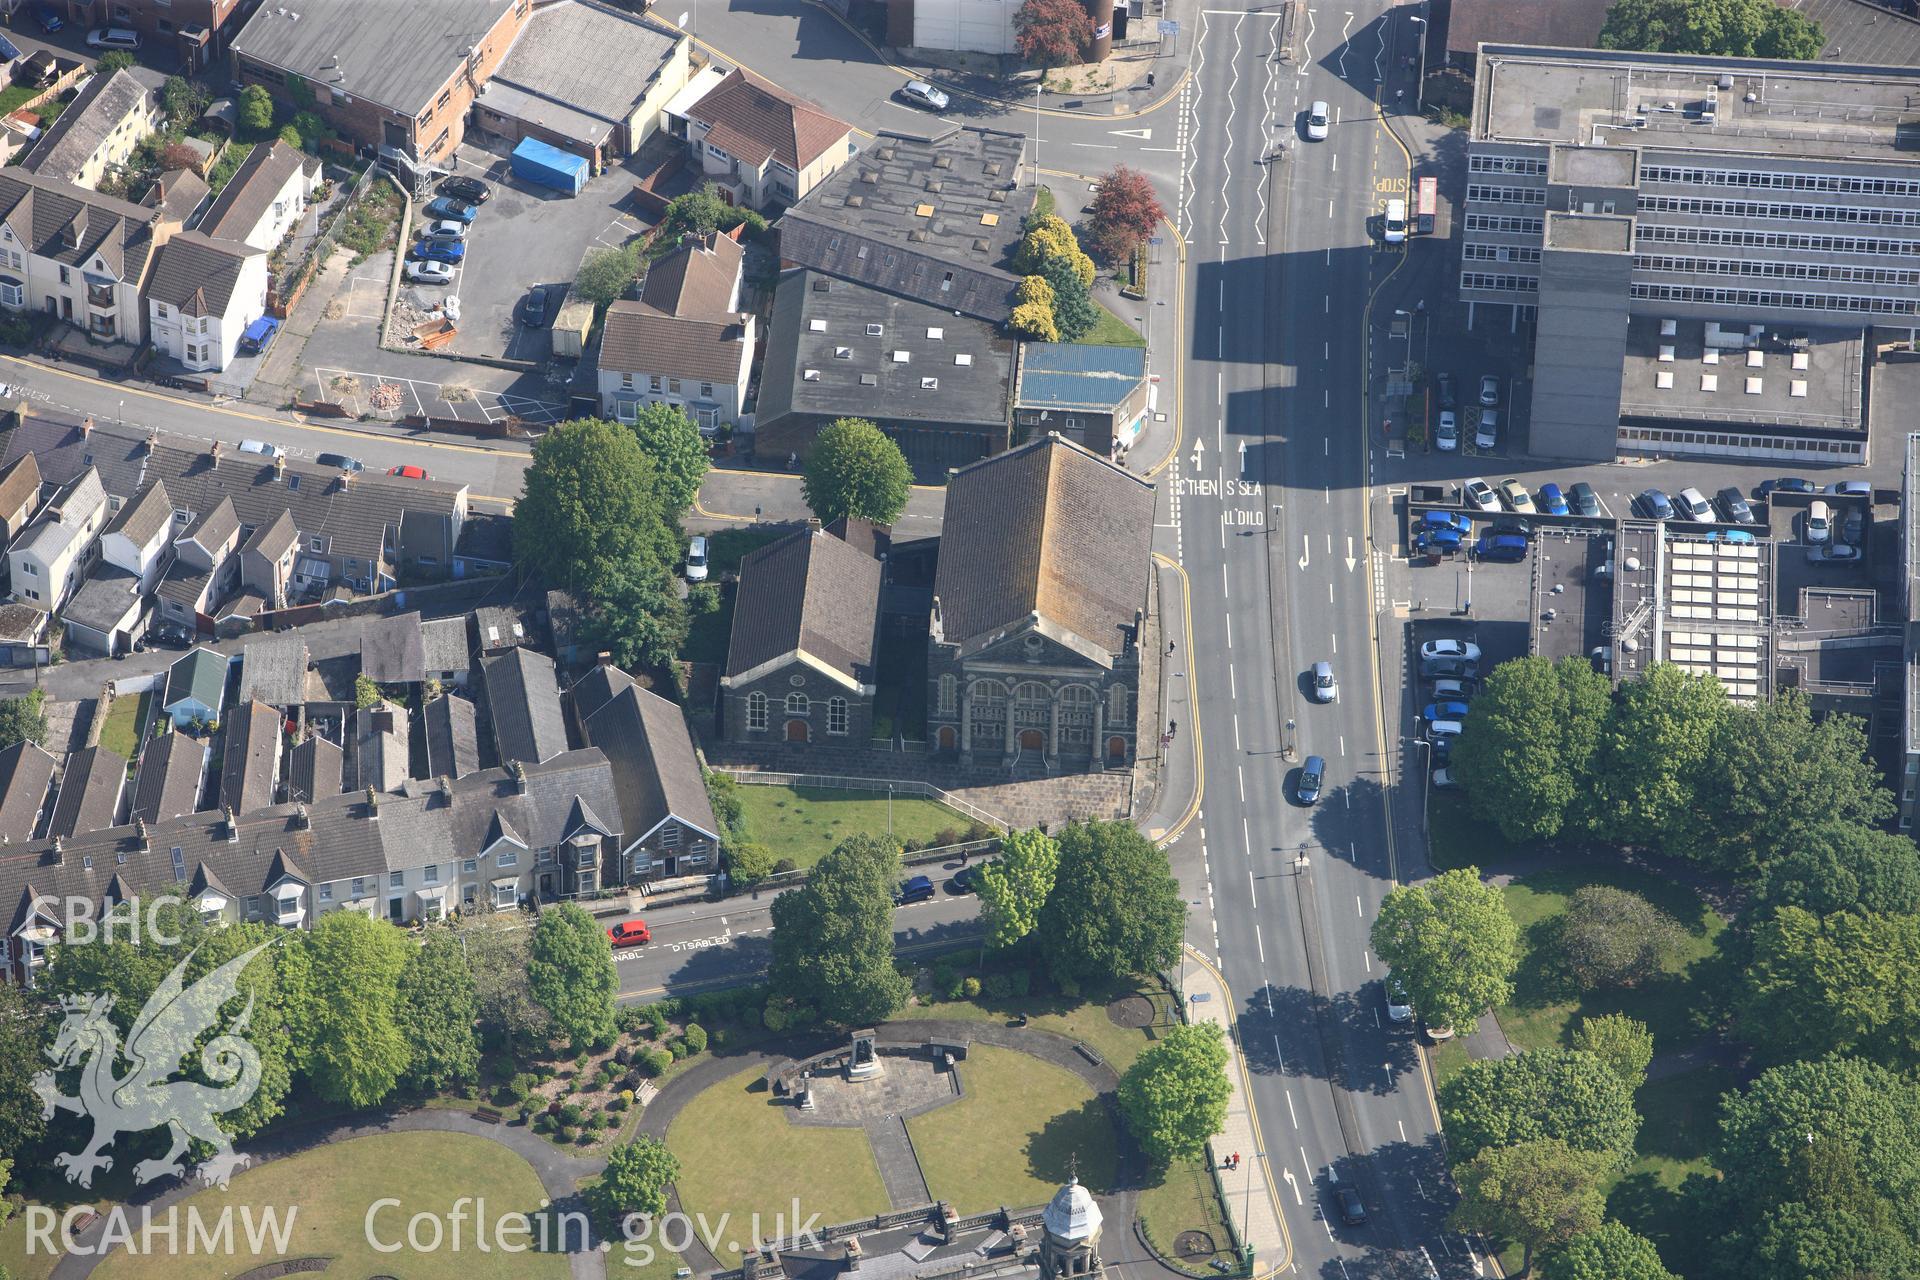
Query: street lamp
[[1038, 85], [1420, 85], [1185, 917], [1426, 781]]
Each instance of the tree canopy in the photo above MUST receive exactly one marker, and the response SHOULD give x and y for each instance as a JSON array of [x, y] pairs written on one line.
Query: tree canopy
[[1840, 866], [495, 947], [1842, 983], [570, 972], [1610, 937], [437, 1010], [1052, 33], [605, 275], [24, 719], [634, 1182], [833, 936], [853, 469], [1174, 1096], [1115, 908], [1541, 1093], [1014, 887], [1652, 751], [1125, 212], [671, 440], [1608, 1252], [1734, 28], [1623, 1043], [1526, 759], [1537, 1192], [23, 1033], [1452, 942], [342, 981]]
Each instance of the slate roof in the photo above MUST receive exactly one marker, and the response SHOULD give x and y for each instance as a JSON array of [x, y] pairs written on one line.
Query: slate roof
[[655, 771], [25, 772], [698, 278], [543, 813], [523, 699], [88, 121], [1046, 531], [249, 759], [79, 498], [196, 274], [90, 787], [167, 784], [214, 527], [275, 538], [397, 55], [391, 650], [1071, 375], [200, 674], [76, 226], [597, 688], [587, 64], [184, 584], [249, 194], [637, 339], [149, 513], [63, 450], [379, 757], [19, 485], [444, 645], [563, 621], [177, 193], [498, 627], [273, 670], [315, 769], [880, 221], [807, 593], [754, 120], [47, 538], [105, 599], [453, 737]]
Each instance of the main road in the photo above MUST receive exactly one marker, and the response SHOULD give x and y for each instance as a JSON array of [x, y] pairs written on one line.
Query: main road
[[1268, 503]]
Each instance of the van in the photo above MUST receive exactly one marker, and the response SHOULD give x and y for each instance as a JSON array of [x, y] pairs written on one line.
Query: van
[[697, 560], [1312, 776], [1393, 227]]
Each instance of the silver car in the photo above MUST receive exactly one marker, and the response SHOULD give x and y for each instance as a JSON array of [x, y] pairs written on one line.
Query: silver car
[[919, 93], [1325, 687], [1318, 119]]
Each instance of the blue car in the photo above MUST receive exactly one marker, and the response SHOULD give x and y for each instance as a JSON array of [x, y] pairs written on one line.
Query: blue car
[[448, 251], [1445, 711], [1313, 776], [1446, 520], [48, 17], [916, 889], [1655, 504], [1501, 548], [1552, 501], [1443, 541], [446, 207]]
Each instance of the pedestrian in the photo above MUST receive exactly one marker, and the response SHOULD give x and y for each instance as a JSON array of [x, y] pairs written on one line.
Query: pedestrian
[[1149, 79], [1170, 648], [1173, 728]]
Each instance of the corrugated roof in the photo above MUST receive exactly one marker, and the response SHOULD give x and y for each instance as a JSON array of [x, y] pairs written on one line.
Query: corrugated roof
[[273, 670], [1068, 375], [201, 675], [586, 61]]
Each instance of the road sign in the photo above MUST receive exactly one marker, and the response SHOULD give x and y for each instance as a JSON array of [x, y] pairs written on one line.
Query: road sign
[[1169, 27], [1156, 242]]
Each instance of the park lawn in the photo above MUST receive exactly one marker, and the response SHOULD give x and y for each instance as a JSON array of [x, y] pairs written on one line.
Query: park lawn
[[121, 732], [1085, 1021], [1186, 1199], [805, 823], [739, 1156], [1020, 1130], [333, 1186], [1680, 1122], [15, 1260], [1109, 330]]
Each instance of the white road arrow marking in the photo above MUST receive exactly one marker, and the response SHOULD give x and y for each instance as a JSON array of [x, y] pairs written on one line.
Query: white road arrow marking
[[1294, 1183], [1350, 559], [1243, 457], [1142, 134], [1306, 551], [1199, 447]]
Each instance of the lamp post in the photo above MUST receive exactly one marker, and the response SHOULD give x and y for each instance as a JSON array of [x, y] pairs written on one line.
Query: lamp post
[[1420, 85], [1185, 916], [1426, 780], [1038, 85]]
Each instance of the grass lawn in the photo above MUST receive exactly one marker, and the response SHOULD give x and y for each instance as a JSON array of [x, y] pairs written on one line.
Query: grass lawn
[[1085, 1021], [805, 823], [1110, 331], [332, 1188], [1681, 1115], [1042, 201], [739, 1156], [1015, 1136], [1185, 1200], [15, 1261], [121, 732]]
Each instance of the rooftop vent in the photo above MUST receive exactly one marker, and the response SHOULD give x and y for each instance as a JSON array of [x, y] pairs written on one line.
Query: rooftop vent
[[964, 359], [943, 162], [843, 353], [856, 202], [869, 379], [918, 235], [923, 211], [870, 177], [929, 384], [874, 330], [809, 375], [886, 152], [901, 357], [993, 168], [934, 185]]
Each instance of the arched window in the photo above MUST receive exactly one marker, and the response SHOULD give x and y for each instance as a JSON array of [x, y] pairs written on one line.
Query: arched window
[[988, 693], [836, 715], [756, 710], [796, 704], [1117, 705], [1076, 715], [949, 690]]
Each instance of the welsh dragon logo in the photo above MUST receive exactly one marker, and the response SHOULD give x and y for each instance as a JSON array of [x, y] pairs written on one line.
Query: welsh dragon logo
[[145, 1097]]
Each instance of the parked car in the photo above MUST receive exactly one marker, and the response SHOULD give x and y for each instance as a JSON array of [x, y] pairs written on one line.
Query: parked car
[[1511, 524], [171, 635], [1694, 506], [1393, 222], [444, 229], [1487, 434], [1853, 528], [1445, 711], [426, 271], [263, 448], [1655, 505], [1319, 118], [1451, 688], [629, 933], [439, 251], [1834, 553], [1437, 729], [408, 472], [1443, 390], [1430, 520], [1733, 506], [1449, 648], [918, 93], [1501, 548], [1583, 500], [1851, 488], [1325, 687], [467, 190], [340, 461], [113, 38], [913, 889], [1479, 495], [1515, 495], [1819, 522], [533, 308], [1785, 484], [1313, 776], [1489, 389], [1399, 1007], [450, 209], [1552, 501], [1443, 541], [1449, 668], [48, 17], [697, 560], [1446, 432]]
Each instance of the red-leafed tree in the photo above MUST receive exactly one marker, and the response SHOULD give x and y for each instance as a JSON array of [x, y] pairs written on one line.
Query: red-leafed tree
[[1052, 33], [1124, 213]]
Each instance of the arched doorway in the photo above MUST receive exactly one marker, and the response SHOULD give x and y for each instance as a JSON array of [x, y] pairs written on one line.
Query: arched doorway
[[1116, 748], [797, 731], [1032, 740], [947, 738]]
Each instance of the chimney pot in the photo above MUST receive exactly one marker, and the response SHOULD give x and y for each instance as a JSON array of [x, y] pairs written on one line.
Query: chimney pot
[[86, 426]]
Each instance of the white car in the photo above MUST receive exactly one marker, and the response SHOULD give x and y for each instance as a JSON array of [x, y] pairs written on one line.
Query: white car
[[1694, 506], [1446, 436], [263, 448], [1399, 1007], [697, 560], [1819, 522], [1480, 495], [1450, 648], [1393, 223], [113, 38], [444, 229], [1318, 119], [921, 94], [425, 271]]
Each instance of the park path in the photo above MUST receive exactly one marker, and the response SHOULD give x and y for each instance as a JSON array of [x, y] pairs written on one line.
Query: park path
[[899, 1167]]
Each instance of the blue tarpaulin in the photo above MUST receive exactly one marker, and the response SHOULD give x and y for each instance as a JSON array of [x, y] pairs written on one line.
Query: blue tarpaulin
[[549, 166]]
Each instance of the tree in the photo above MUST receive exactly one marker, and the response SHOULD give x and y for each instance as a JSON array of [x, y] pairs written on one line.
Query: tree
[[1537, 1193], [256, 111], [1174, 1096], [1033, 321], [182, 100], [1526, 758], [605, 275], [1045, 238], [178, 155], [1838, 984], [570, 972], [1541, 1093], [1608, 1252], [749, 862], [1623, 1043], [1074, 310], [1652, 752], [1115, 909], [703, 212], [635, 1181], [634, 612], [1125, 212], [23, 1033], [496, 952], [853, 469], [1052, 33], [115, 60], [1731, 28], [366, 694], [1014, 887], [1453, 944], [24, 719], [343, 1004], [1035, 289], [437, 1009], [1609, 937], [1842, 866], [833, 936], [723, 794], [1774, 773], [672, 440]]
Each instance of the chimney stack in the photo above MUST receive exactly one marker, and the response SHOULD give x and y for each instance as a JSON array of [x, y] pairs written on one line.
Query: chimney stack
[[373, 804], [153, 440], [86, 426], [233, 825], [279, 466], [301, 822], [519, 772], [603, 659], [59, 852], [140, 834]]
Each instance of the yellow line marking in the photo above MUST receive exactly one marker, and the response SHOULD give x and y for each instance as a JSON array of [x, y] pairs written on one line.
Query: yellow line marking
[[1179, 347], [1193, 698]]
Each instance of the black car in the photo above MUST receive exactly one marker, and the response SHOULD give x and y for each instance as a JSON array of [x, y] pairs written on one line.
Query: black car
[[1454, 668], [339, 461], [1583, 500], [467, 190], [1346, 1199], [967, 878], [1785, 484], [1443, 390], [1733, 505], [1511, 524], [914, 889], [533, 312], [170, 635]]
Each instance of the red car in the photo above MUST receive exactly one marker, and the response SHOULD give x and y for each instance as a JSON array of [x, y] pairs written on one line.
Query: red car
[[409, 472], [629, 933]]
